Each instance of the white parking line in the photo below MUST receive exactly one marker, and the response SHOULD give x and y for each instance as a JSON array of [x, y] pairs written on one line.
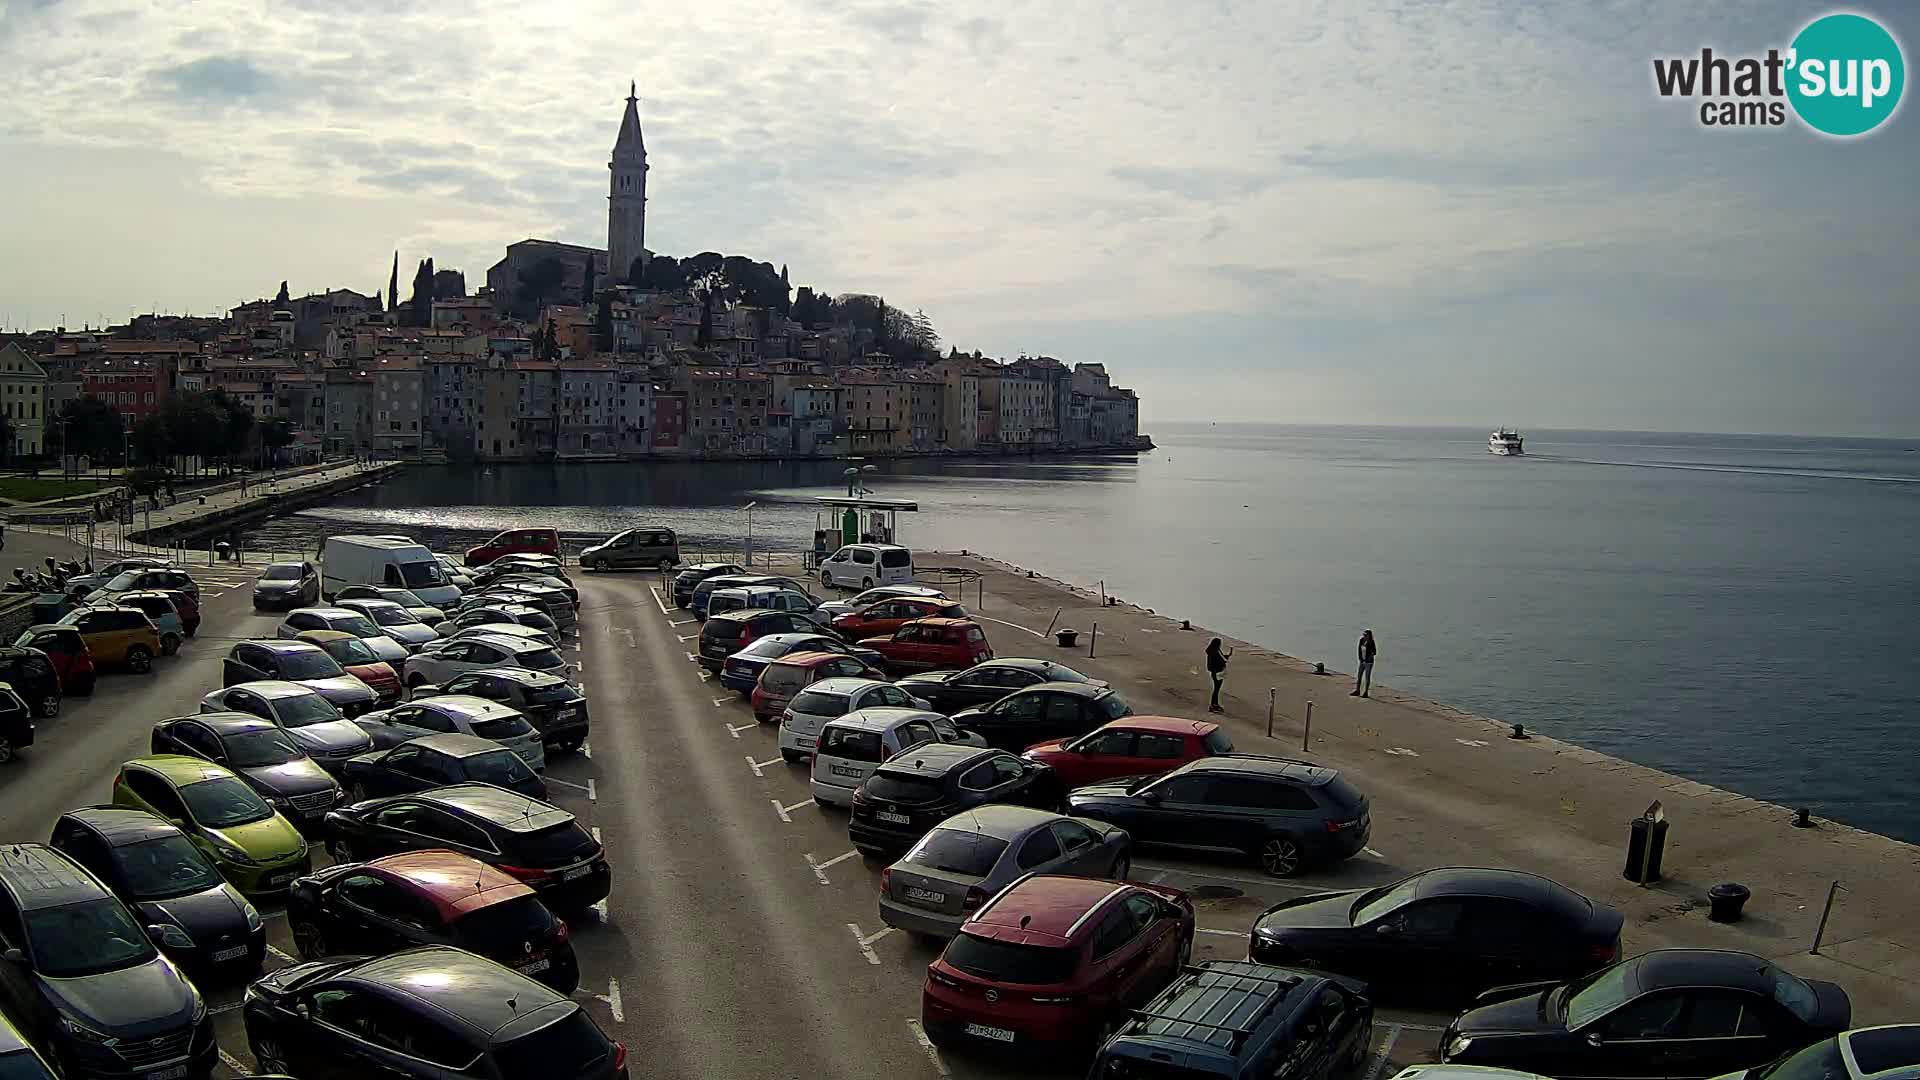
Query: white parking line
[[1374, 853], [704, 674], [227, 1008], [283, 956], [682, 622], [1380, 1057], [1220, 933], [865, 944], [611, 999], [657, 600], [756, 766], [691, 659], [820, 868], [1003, 622], [719, 701], [592, 795], [569, 783], [933, 1052], [784, 811], [233, 1063], [684, 638], [586, 751], [735, 731]]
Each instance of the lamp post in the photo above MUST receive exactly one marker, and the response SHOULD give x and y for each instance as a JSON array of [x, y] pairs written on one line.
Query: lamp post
[[748, 554]]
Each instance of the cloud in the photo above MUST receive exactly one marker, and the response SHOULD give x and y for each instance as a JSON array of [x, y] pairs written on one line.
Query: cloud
[[217, 78]]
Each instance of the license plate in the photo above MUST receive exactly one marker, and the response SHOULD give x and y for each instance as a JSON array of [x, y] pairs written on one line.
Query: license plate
[[178, 1072], [848, 770], [280, 878], [534, 968], [926, 896], [897, 819], [234, 953], [576, 873], [994, 1033], [566, 714], [807, 742]]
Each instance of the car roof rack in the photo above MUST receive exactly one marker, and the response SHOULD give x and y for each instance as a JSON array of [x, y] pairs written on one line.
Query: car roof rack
[[1236, 1035], [1267, 757]]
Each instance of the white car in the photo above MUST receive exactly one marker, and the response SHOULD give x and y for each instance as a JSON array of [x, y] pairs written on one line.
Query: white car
[[854, 745], [862, 566], [512, 630], [503, 724], [328, 737], [394, 620], [442, 660], [346, 621], [833, 609], [830, 699]]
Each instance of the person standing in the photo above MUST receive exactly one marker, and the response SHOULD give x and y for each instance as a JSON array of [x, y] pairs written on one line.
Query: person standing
[[1217, 669], [1363, 681]]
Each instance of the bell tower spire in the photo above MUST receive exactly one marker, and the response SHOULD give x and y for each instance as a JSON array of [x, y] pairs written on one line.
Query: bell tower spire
[[627, 193]]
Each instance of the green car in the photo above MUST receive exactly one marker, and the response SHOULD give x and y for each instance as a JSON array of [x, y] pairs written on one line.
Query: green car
[[255, 848]]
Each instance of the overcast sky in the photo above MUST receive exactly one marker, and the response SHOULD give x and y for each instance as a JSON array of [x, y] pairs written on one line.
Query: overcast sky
[[1417, 212]]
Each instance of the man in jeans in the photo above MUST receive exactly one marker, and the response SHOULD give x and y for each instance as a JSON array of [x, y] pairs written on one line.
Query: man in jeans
[[1363, 681]]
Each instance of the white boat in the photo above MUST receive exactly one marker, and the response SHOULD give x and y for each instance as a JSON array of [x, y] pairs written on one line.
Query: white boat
[[1505, 443]]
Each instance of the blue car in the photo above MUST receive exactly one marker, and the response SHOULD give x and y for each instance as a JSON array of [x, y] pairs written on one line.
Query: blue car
[[741, 673], [160, 608]]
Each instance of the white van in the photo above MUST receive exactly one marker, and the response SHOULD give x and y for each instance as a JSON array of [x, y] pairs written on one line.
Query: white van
[[852, 747], [862, 566], [385, 560]]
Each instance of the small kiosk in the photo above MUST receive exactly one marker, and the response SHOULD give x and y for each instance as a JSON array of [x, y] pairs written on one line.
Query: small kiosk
[[855, 519]]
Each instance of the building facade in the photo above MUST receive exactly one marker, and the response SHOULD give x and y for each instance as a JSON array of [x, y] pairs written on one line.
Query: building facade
[[23, 389]]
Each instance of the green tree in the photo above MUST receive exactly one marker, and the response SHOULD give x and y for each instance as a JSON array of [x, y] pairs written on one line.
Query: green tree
[[708, 288], [393, 284], [151, 440], [663, 274], [539, 282], [276, 434], [93, 428]]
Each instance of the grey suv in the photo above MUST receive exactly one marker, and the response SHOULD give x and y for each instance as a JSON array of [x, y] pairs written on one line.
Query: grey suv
[[1283, 813]]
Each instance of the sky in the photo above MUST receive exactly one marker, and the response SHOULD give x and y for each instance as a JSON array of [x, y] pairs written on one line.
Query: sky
[[1398, 212]]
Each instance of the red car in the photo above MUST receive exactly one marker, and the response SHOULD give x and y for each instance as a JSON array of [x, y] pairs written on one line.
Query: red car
[[515, 542], [1132, 746], [66, 649], [1055, 962], [889, 615], [189, 607], [359, 660], [932, 644]]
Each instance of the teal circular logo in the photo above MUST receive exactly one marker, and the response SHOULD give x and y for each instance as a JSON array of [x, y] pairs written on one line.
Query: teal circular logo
[[1846, 74]]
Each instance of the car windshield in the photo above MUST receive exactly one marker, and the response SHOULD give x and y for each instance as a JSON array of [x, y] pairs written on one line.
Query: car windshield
[[423, 574], [524, 918], [501, 727], [1377, 902], [1793, 992], [357, 625], [299, 710], [122, 582], [767, 648], [501, 767], [1218, 742], [1343, 794], [1112, 706], [88, 938], [999, 961], [816, 703], [259, 749], [223, 802], [281, 573], [550, 695], [392, 616], [1602, 993], [539, 659], [164, 868], [403, 597], [1058, 673], [351, 650], [569, 1047], [956, 852], [1821, 1061]]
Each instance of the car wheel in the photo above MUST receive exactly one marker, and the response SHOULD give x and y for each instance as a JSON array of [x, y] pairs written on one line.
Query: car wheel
[[270, 1057], [1280, 856], [139, 659], [311, 942], [6, 750], [169, 645], [1122, 866], [50, 705], [1186, 954], [1360, 1046], [416, 680], [866, 583]]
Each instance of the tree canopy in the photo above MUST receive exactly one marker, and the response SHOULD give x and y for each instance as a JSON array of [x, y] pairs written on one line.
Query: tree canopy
[[89, 426]]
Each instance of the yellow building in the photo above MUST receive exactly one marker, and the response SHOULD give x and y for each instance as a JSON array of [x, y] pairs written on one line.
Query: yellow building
[[23, 401]]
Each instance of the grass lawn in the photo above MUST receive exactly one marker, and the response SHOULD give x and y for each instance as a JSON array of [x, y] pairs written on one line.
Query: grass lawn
[[37, 488]]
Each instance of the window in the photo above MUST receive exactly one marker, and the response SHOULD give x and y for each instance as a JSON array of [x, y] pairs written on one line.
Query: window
[[1724, 1014], [446, 827], [1025, 707], [1165, 747], [914, 733], [969, 853], [1655, 1016], [1195, 789], [1074, 836], [154, 792], [1062, 708], [1040, 848], [1429, 919], [1115, 930], [1141, 911]]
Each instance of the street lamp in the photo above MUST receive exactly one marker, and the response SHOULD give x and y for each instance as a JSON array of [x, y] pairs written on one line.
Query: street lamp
[[748, 554]]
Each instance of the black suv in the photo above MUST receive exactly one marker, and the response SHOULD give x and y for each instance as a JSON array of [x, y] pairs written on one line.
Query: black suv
[[31, 675], [540, 844], [431, 761], [1241, 1021], [1053, 710], [549, 702], [690, 576], [730, 631], [1281, 812], [82, 980], [921, 787]]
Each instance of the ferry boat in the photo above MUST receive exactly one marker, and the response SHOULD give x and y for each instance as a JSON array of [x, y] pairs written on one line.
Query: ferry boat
[[1505, 443]]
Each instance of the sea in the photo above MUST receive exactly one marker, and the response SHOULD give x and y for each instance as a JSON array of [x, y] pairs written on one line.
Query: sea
[[1738, 609]]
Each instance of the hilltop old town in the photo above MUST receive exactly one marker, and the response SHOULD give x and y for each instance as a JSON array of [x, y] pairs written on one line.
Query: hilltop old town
[[566, 352]]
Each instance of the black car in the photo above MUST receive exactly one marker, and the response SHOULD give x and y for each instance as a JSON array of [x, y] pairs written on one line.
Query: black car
[[1241, 1021], [1282, 813], [690, 576], [16, 726], [987, 682], [285, 586], [729, 632], [552, 704], [1443, 933], [500, 609], [519, 578], [742, 670], [263, 755], [540, 844], [1055, 710], [433, 761], [430, 1013], [916, 790], [31, 675], [553, 606], [83, 980], [1671, 1013], [202, 923], [556, 602], [430, 898]]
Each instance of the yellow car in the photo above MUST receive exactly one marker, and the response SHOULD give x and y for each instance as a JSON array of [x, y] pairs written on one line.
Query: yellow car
[[117, 636], [255, 848]]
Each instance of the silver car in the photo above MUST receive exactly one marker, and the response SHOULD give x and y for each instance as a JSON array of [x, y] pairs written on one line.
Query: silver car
[[458, 712], [514, 630], [394, 620], [971, 856]]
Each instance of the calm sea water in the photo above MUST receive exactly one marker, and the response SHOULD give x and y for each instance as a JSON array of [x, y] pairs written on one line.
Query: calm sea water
[[1737, 609]]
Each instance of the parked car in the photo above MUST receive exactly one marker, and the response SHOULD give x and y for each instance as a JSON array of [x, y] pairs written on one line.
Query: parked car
[[300, 662], [462, 1011], [316, 724], [394, 621], [988, 681], [1673, 1012], [523, 560], [82, 584], [1233, 1020], [885, 617], [1047, 711], [1132, 746], [286, 585], [787, 676], [539, 582], [357, 659], [457, 713], [498, 611], [200, 921], [406, 598], [432, 761], [741, 672], [455, 571], [723, 635], [383, 560], [555, 707], [512, 630], [1449, 933], [912, 792], [160, 609], [654, 546], [1055, 963], [971, 856], [705, 588], [442, 660], [757, 598], [831, 609], [690, 576], [18, 1059], [1890, 1052], [270, 760], [66, 649], [515, 541], [138, 578], [539, 844], [851, 747], [829, 699], [430, 898], [32, 675], [554, 601], [867, 565], [188, 605], [931, 644], [1282, 813], [84, 980], [117, 636], [353, 622], [16, 725], [253, 845]]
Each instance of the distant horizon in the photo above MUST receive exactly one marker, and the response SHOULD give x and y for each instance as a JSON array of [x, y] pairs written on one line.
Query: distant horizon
[[1147, 425]]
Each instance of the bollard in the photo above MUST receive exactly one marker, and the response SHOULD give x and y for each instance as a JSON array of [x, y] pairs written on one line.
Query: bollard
[[1185, 625], [1270, 696], [1092, 640], [980, 594], [1821, 930], [1306, 732], [1050, 622]]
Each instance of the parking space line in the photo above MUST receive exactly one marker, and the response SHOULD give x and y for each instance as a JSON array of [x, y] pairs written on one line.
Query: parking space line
[[704, 674], [567, 783], [1003, 622], [756, 766], [1221, 933], [865, 943], [785, 811], [283, 956], [933, 1052], [719, 701], [735, 731], [227, 1008], [1380, 1058], [656, 599], [1374, 853], [233, 1063], [586, 750], [686, 638], [820, 868], [691, 659], [611, 999], [682, 622]]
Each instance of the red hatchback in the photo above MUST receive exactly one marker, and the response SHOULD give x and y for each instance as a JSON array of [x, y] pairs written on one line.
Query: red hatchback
[[515, 542], [889, 615], [67, 651], [932, 645], [1132, 746], [1055, 962]]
